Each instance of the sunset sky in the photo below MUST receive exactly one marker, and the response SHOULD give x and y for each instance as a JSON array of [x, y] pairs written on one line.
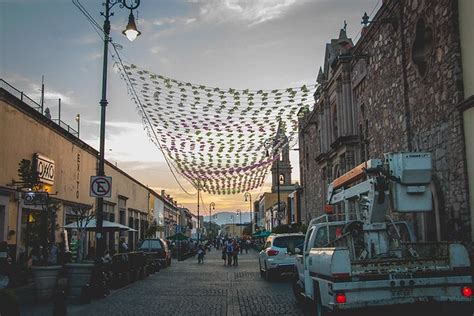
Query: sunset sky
[[255, 44]]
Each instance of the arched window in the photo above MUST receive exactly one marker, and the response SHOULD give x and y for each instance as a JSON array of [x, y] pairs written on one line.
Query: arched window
[[281, 178], [422, 47]]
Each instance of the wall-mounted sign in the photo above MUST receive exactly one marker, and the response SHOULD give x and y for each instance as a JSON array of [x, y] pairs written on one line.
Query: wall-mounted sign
[[35, 198], [44, 168]]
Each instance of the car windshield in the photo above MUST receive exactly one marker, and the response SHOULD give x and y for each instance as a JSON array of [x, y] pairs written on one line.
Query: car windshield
[[288, 241], [150, 244]]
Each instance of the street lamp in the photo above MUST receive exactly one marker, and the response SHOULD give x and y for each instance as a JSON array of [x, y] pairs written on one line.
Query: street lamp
[[239, 214], [78, 120], [248, 197], [212, 206], [109, 4]]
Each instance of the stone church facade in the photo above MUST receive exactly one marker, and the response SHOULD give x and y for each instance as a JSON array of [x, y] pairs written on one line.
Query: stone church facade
[[396, 89]]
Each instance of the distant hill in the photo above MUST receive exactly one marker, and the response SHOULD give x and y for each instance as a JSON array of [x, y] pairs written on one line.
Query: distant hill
[[225, 218]]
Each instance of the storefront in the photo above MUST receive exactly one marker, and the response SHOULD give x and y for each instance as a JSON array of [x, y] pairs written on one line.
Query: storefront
[[65, 165]]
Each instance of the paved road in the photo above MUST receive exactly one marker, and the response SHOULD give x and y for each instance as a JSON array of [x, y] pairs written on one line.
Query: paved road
[[188, 288]]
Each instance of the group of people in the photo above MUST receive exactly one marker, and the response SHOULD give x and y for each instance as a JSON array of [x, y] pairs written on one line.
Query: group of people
[[230, 252]]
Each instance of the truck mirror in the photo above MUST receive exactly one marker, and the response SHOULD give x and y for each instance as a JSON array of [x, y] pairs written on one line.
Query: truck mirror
[[298, 251]]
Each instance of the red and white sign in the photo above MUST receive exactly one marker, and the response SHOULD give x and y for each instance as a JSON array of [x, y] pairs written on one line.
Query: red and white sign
[[101, 186]]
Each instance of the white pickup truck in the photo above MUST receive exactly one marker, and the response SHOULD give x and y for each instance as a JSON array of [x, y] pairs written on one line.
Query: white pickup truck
[[361, 261]]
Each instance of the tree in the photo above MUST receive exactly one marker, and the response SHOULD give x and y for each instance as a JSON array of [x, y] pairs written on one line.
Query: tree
[[42, 225], [83, 216]]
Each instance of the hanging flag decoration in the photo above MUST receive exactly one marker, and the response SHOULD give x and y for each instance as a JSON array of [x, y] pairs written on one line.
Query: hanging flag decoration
[[223, 141]]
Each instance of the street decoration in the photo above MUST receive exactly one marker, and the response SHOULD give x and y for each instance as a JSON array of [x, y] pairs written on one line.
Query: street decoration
[[221, 140]]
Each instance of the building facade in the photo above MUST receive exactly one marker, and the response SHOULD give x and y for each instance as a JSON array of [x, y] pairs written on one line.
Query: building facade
[[466, 25], [399, 89], [69, 163]]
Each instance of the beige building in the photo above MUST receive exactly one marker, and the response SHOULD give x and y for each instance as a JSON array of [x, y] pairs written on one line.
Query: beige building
[[232, 230], [67, 164], [466, 26]]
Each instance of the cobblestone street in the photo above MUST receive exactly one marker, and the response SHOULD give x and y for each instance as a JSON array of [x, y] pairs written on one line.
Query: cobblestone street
[[187, 288]]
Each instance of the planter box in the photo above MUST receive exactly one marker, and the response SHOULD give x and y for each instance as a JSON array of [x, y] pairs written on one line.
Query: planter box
[[78, 275], [45, 279]]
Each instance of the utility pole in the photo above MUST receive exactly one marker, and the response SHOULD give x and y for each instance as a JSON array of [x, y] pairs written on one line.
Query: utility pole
[[199, 224], [278, 186]]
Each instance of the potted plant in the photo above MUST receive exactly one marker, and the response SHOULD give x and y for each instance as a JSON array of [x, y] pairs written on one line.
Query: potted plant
[[79, 271], [40, 232]]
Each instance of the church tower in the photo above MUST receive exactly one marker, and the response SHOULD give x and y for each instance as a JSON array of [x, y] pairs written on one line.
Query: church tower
[[281, 168]]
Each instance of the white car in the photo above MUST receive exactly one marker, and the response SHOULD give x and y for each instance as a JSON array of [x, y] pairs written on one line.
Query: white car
[[274, 259]]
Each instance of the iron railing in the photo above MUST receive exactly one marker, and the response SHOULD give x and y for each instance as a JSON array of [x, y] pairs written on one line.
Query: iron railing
[[35, 105]]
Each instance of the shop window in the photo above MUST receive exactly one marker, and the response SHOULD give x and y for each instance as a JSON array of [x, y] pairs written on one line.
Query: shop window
[[422, 47]]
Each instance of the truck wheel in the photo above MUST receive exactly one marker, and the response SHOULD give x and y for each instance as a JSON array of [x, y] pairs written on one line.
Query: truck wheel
[[269, 275], [298, 290], [318, 306], [262, 274]]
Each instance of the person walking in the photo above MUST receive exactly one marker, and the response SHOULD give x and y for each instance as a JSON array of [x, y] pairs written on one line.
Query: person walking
[[235, 254], [229, 252], [224, 256], [201, 254]]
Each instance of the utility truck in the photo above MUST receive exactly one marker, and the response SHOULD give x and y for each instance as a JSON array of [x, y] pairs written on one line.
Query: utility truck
[[361, 257]]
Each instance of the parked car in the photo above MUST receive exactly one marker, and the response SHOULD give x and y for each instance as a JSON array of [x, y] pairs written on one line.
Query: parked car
[[157, 252], [278, 255]]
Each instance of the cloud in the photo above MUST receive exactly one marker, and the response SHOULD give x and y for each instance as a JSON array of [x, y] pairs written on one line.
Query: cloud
[[157, 49], [33, 90], [92, 38], [247, 11], [163, 21], [190, 20]]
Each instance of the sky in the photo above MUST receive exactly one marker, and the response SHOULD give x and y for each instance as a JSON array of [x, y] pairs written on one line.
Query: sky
[[254, 44]]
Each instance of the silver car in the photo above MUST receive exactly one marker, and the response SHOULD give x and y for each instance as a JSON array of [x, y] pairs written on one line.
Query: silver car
[[275, 259]]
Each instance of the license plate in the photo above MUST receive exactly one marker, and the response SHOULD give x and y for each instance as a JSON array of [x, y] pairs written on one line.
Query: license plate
[[401, 292]]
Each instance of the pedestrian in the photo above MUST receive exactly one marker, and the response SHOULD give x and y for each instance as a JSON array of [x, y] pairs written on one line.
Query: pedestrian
[[247, 246], [235, 253], [224, 257], [123, 246], [229, 252], [201, 254]]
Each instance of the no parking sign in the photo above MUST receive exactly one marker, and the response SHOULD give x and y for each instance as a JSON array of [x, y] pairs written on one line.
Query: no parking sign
[[101, 186]]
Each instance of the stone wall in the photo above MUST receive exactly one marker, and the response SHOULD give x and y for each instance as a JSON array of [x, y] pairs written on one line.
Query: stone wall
[[406, 79]]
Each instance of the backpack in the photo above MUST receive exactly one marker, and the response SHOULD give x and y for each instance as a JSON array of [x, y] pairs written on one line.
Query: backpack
[[230, 248]]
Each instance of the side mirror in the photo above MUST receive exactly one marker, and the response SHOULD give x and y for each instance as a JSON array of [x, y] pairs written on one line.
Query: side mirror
[[298, 251]]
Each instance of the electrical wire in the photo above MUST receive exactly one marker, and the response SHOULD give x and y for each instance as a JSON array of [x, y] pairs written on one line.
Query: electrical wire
[[98, 29], [118, 59]]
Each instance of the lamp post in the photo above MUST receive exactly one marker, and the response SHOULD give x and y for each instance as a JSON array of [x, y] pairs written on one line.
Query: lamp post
[[248, 197], [239, 214], [212, 206], [78, 120], [232, 218], [278, 186], [131, 32]]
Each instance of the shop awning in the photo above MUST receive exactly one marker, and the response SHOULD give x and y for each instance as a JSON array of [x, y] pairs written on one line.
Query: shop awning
[[91, 226]]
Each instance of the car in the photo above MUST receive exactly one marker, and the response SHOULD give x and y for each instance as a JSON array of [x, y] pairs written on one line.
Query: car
[[275, 257], [157, 252]]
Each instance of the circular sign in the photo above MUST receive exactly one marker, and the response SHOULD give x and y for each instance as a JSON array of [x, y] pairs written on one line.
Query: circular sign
[[101, 186]]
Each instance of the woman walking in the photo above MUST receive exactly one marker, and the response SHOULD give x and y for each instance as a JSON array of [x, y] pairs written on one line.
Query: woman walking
[[224, 257]]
